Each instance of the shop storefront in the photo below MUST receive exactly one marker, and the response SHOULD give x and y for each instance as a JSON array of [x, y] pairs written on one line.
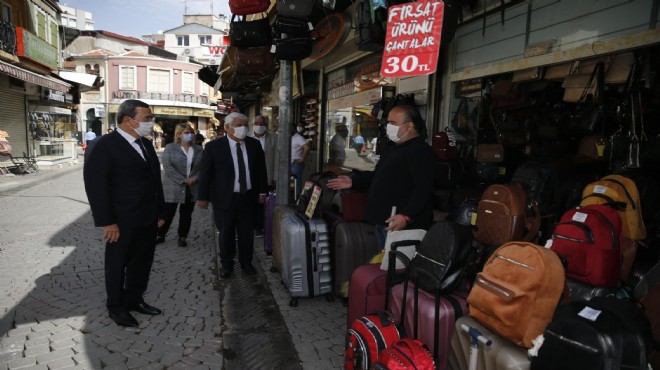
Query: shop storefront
[[52, 126]]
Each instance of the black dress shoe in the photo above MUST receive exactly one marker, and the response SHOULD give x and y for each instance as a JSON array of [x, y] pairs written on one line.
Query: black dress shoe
[[123, 318], [225, 272], [160, 239], [182, 242], [145, 309], [248, 269]]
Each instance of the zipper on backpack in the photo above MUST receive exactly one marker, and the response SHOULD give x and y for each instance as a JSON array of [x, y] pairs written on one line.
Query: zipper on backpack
[[573, 342], [507, 259], [557, 236], [504, 293], [429, 259]]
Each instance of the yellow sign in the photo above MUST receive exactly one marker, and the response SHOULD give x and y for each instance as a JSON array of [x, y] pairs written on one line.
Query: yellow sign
[[173, 111], [204, 113], [113, 108]]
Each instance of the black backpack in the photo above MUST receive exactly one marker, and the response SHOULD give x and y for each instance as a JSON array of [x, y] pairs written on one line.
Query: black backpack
[[369, 31]]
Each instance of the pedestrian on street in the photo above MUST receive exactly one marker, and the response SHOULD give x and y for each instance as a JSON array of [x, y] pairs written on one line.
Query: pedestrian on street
[[89, 135], [403, 177], [299, 151], [233, 177], [123, 185], [269, 145], [358, 143], [181, 160]]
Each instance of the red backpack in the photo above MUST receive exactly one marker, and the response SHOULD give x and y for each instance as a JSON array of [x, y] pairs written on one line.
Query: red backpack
[[589, 239], [405, 354], [247, 7], [444, 145], [367, 337]]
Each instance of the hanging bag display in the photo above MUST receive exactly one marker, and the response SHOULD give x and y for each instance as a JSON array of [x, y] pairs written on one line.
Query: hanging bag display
[[254, 61], [245, 34], [247, 7], [293, 48], [292, 26]]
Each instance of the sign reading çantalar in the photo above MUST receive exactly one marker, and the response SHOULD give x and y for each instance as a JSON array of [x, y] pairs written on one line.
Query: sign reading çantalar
[[413, 39]]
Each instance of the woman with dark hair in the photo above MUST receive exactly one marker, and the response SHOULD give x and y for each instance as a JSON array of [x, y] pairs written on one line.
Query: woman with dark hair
[[180, 161]]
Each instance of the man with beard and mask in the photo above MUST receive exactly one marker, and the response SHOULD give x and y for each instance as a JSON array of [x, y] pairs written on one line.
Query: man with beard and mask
[[269, 145], [402, 178], [233, 177], [123, 185]]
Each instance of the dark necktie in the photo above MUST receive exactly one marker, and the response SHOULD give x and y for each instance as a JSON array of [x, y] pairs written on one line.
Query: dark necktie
[[241, 169], [143, 149]]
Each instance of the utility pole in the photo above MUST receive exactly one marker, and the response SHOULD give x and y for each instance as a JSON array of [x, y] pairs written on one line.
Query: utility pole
[[284, 134]]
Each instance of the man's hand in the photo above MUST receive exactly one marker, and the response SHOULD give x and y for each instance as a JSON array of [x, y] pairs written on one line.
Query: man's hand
[[396, 223], [161, 222], [341, 182], [111, 233], [203, 204]]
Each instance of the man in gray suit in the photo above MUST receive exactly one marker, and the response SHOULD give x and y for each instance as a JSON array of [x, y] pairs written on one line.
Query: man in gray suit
[[269, 145]]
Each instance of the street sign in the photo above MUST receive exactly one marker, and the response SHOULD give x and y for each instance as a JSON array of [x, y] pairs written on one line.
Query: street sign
[[413, 39]]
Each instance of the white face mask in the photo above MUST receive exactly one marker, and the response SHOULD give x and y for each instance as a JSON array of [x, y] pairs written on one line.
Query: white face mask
[[144, 128], [393, 132], [259, 130], [240, 132], [187, 137]]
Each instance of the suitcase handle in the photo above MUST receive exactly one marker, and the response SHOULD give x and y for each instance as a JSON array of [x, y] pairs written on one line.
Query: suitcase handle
[[315, 258]]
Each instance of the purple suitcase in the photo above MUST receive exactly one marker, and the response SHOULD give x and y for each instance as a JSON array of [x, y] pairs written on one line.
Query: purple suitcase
[[452, 306], [269, 207]]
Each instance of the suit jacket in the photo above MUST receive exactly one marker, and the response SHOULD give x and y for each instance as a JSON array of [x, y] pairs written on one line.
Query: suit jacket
[[174, 162], [270, 151], [216, 175], [122, 188]]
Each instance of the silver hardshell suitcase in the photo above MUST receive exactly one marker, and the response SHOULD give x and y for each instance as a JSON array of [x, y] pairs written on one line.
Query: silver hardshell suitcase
[[305, 257]]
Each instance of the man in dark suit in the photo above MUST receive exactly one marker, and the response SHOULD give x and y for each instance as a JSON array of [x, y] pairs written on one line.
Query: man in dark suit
[[233, 177], [122, 181]]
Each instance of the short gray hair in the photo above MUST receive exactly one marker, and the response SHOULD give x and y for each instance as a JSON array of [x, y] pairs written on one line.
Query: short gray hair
[[235, 115], [129, 108]]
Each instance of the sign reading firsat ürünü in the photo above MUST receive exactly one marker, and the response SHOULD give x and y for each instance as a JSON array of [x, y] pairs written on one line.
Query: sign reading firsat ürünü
[[413, 39]]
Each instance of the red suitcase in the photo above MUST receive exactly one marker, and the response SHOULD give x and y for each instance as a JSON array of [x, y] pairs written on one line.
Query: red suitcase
[[366, 292], [452, 306]]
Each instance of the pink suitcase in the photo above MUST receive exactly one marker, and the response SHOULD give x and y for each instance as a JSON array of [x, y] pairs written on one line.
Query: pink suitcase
[[452, 306], [366, 292]]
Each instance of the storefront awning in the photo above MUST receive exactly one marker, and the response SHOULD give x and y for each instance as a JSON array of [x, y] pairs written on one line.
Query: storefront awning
[[85, 80], [34, 78]]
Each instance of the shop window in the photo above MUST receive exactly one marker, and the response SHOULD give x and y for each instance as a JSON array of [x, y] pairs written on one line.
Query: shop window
[[127, 78], [6, 13], [93, 69], [205, 40], [41, 25], [188, 83], [54, 34], [183, 40], [158, 80]]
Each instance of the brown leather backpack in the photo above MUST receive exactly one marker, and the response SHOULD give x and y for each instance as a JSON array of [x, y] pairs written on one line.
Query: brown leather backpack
[[502, 216], [518, 291]]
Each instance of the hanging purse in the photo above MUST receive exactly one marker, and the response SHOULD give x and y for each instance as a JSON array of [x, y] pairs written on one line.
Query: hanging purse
[[245, 34], [292, 26], [293, 48], [254, 61]]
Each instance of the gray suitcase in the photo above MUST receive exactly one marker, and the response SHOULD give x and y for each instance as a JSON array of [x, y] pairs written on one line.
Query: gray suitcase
[[501, 354], [279, 214], [354, 245], [305, 254]]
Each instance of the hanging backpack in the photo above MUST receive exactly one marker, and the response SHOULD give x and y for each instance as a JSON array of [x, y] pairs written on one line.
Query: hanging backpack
[[444, 145], [369, 30], [406, 354], [247, 7], [620, 193], [502, 216], [517, 292], [589, 239], [295, 8], [367, 337]]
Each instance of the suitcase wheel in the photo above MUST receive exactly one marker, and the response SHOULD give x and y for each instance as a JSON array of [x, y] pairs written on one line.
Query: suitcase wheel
[[293, 302]]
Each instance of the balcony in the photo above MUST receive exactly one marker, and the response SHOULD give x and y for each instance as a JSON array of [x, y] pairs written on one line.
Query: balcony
[[160, 96], [7, 37]]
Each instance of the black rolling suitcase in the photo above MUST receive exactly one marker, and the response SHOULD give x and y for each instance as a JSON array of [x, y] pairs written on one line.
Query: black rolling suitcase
[[354, 245], [602, 334]]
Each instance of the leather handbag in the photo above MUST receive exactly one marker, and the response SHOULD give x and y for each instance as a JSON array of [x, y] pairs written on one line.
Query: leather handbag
[[558, 72], [490, 153], [578, 87], [246, 7], [295, 8], [245, 34], [292, 26], [619, 68], [294, 48], [254, 61]]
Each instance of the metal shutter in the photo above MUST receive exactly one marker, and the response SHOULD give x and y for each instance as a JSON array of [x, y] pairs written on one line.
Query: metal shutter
[[13, 120]]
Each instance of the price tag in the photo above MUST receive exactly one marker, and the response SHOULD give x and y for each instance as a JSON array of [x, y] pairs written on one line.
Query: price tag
[[600, 189], [589, 313], [579, 217]]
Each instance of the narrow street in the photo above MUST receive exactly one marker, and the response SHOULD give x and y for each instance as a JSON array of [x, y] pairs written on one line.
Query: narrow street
[[52, 297]]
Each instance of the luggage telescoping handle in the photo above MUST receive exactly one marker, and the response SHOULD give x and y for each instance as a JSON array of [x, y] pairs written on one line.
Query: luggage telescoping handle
[[476, 337], [391, 265]]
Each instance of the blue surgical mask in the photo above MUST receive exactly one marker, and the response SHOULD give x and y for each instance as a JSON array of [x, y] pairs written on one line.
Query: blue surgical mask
[[187, 137]]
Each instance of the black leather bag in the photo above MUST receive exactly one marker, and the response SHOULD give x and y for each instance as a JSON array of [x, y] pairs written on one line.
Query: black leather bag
[[294, 48], [292, 26], [245, 34]]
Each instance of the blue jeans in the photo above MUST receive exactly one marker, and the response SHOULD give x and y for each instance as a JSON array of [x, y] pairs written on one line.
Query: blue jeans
[[297, 172]]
